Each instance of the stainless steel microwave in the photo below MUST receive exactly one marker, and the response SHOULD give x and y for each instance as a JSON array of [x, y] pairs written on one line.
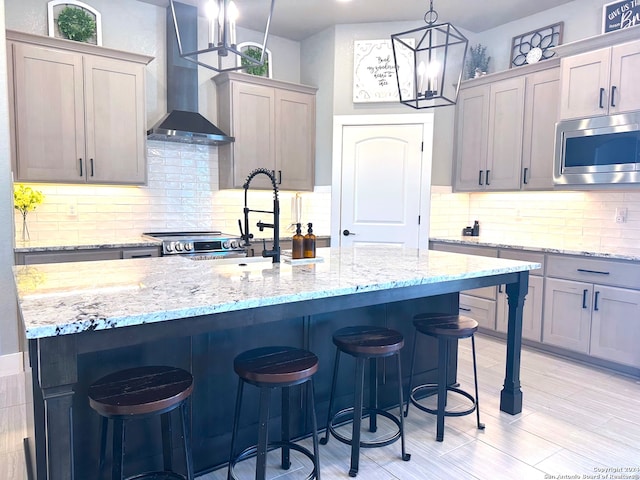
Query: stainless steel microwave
[[600, 150]]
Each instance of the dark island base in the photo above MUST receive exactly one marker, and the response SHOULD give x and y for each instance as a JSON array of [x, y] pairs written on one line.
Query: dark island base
[[209, 356]]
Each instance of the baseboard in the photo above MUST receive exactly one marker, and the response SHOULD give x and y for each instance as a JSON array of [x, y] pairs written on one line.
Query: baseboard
[[11, 364]]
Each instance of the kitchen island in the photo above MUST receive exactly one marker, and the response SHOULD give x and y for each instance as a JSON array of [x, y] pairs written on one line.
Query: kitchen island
[[82, 320]]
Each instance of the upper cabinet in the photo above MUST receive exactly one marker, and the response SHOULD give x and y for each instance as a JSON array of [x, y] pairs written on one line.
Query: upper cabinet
[[273, 123], [505, 127], [601, 82], [78, 112]]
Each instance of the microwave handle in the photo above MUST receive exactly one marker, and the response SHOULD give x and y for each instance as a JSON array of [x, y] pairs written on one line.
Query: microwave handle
[[600, 104], [613, 95]]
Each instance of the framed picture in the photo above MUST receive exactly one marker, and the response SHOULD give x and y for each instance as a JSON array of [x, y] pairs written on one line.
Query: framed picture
[[620, 14], [374, 71], [254, 50], [82, 22], [534, 46]]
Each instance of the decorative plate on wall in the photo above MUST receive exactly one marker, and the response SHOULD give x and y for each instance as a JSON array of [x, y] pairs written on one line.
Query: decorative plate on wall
[[82, 22], [534, 46]]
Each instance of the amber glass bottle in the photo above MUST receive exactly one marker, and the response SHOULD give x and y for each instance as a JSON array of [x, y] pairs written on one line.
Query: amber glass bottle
[[297, 249], [310, 243]]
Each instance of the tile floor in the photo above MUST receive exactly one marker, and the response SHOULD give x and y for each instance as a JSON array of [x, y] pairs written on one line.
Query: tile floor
[[577, 421]]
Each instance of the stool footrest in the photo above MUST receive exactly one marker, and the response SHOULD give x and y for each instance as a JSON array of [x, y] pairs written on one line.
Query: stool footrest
[[380, 443], [434, 388], [157, 476], [251, 451]]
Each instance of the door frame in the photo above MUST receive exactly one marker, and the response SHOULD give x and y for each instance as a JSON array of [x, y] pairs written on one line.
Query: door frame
[[341, 121]]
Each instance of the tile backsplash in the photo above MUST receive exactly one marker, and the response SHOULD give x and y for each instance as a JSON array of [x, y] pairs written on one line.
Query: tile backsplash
[[584, 218], [182, 194]]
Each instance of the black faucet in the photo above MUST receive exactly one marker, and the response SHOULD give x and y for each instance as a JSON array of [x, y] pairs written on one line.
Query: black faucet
[[274, 253]]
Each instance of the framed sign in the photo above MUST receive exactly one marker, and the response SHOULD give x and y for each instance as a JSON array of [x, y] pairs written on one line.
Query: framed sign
[[374, 73], [620, 14]]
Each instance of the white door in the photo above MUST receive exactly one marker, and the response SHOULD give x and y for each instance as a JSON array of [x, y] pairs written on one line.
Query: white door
[[381, 178]]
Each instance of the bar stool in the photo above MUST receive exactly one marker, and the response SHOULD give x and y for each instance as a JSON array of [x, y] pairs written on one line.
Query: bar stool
[[447, 328], [372, 343], [138, 393], [268, 368]]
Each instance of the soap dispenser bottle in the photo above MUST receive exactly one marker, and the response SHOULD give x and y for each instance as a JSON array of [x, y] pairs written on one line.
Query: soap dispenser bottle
[[310, 243], [476, 229], [297, 249]]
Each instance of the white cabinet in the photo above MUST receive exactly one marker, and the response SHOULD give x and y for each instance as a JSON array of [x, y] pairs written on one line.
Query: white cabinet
[[273, 123], [540, 117], [505, 130], [593, 306], [533, 304], [489, 136], [601, 82], [78, 112]]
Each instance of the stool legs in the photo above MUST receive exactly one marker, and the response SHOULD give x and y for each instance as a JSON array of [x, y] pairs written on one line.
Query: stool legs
[[186, 436], [336, 363], [314, 426], [357, 418], [405, 456], [263, 431], [118, 449], [285, 430], [167, 446], [475, 379], [373, 394], [413, 362], [443, 356], [234, 431]]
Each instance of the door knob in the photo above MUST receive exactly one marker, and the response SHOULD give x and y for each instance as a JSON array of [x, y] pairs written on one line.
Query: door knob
[[346, 233]]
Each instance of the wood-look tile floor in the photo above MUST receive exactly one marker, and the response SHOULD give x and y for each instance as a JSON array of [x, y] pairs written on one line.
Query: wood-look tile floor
[[577, 421]]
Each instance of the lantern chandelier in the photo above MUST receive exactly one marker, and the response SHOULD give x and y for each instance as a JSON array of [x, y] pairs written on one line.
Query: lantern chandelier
[[222, 16], [429, 62]]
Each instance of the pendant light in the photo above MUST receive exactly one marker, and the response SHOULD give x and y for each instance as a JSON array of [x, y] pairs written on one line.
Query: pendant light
[[429, 62], [222, 16]]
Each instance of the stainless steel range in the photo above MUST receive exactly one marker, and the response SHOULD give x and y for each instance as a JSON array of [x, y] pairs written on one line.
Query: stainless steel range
[[201, 245]]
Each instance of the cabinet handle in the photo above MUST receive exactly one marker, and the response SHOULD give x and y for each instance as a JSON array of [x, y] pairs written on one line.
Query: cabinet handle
[[91, 162], [80, 161], [595, 301], [279, 177], [487, 177], [584, 270], [480, 177], [524, 176], [601, 104], [464, 309], [584, 298], [613, 95], [142, 255], [499, 288]]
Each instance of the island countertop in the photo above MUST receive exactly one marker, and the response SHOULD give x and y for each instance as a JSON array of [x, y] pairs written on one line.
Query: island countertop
[[67, 298]]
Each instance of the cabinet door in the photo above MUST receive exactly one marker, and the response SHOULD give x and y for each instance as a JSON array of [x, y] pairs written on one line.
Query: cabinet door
[[567, 314], [295, 139], [583, 76], [253, 127], [531, 315], [472, 119], [540, 117], [504, 149], [49, 114], [115, 119], [615, 328], [624, 94]]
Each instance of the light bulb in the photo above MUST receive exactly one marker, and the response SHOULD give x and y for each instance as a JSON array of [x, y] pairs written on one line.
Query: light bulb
[[212, 11], [232, 15]]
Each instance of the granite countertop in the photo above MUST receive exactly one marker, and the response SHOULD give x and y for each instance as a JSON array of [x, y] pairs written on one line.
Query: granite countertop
[[65, 298], [66, 245], [560, 247]]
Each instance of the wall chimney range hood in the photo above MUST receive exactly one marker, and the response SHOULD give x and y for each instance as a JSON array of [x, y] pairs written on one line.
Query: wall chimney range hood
[[183, 123]]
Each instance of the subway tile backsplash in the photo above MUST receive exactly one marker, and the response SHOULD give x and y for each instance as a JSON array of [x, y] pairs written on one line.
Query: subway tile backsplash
[[182, 194], [584, 219]]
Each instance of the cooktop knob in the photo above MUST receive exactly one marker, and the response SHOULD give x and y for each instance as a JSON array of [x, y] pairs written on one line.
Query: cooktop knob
[[178, 247], [225, 244], [168, 247], [188, 247], [234, 244]]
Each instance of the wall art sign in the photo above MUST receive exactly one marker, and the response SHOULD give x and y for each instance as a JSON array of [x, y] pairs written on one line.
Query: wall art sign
[[374, 72], [620, 14]]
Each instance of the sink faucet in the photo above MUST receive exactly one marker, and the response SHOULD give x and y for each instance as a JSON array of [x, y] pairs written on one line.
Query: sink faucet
[[274, 253]]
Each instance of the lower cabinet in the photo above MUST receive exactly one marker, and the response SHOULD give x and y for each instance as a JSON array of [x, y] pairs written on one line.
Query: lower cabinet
[[482, 310], [31, 258]]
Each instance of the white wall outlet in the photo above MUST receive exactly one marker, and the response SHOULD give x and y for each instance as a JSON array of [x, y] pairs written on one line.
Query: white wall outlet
[[621, 215], [72, 210]]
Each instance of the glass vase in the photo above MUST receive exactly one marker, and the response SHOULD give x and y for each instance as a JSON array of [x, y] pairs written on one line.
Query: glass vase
[[25, 228]]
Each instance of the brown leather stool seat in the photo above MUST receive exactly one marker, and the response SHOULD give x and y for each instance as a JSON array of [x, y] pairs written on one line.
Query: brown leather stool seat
[[447, 328], [139, 393], [268, 368], [372, 343]]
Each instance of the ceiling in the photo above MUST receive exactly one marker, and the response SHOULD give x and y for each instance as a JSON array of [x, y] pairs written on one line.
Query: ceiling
[[299, 19]]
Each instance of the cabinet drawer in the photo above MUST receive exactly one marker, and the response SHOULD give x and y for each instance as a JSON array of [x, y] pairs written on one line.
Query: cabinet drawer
[[466, 249], [525, 256], [481, 310], [604, 272]]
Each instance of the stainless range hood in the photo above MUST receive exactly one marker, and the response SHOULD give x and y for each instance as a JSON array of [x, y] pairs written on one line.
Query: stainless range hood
[[183, 123]]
